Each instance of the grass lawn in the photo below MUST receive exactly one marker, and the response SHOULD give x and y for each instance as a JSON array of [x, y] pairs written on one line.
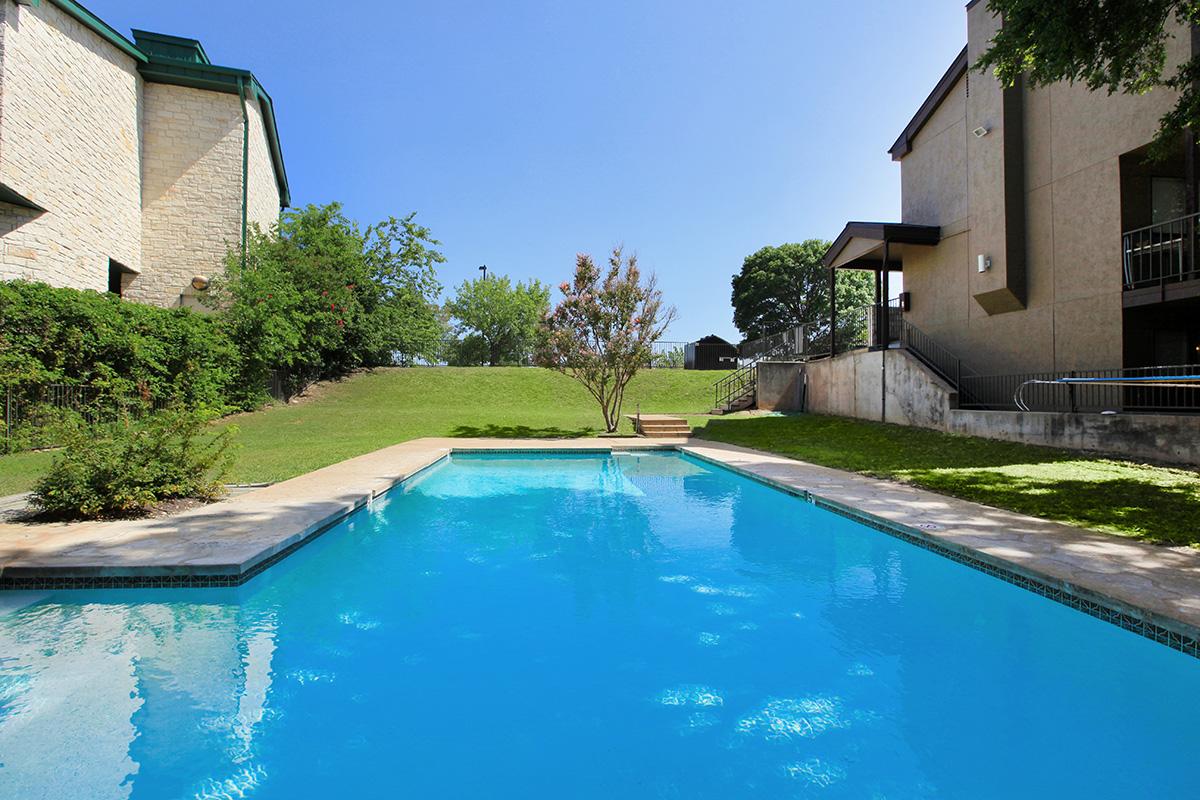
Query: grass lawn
[[1157, 504], [375, 409]]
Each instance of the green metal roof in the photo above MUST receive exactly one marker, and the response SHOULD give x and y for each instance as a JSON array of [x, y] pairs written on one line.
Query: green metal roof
[[162, 58], [173, 48]]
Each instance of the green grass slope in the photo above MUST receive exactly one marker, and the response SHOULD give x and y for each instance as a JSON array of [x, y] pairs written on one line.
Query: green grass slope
[[375, 409], [1157, 504]]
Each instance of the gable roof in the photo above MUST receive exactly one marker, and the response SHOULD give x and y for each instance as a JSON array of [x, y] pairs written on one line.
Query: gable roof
[[903, 145]]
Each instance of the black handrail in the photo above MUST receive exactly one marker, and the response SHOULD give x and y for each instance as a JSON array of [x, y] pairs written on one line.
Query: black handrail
[[933, 355], [735, 386]]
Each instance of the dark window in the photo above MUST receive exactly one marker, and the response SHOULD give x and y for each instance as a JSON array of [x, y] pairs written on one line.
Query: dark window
[[116, 275]]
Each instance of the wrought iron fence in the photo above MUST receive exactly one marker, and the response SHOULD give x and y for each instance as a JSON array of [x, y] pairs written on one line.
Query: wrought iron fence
[[1165, 389], [37, 415], [812, 340]]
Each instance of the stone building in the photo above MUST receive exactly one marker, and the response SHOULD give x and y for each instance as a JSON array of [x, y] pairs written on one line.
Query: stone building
[[126, 166]]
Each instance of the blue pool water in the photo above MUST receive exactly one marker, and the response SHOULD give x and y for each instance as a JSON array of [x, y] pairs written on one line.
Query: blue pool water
[[585, 626]]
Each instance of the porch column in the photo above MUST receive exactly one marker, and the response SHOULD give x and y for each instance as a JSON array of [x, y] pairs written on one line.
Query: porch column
[[884, 312], [877, 338], [832, 313]]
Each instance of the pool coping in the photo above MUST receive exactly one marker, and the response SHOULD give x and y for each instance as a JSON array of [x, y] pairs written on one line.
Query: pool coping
[[1152, 591]]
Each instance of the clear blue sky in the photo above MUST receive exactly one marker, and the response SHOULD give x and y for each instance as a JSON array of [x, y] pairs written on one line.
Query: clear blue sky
[[525, 132]]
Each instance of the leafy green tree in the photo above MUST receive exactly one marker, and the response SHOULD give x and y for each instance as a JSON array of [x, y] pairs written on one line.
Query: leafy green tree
[[318, 296], [1115, 45], [500, 319], [604, 329], [785, 286]]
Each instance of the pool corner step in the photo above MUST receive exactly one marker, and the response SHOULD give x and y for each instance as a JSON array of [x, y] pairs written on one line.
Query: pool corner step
[[660, 426]]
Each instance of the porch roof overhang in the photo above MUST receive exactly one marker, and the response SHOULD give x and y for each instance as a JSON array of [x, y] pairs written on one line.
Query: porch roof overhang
[[860, 245]]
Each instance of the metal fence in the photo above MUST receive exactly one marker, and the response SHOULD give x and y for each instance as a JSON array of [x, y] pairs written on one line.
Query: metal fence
[[1137, 389], [692, 355], [812, 340], [1161, 253], [37, 415]]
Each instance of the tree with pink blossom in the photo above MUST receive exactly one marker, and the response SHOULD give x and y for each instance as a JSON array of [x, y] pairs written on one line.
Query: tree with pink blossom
[[603, 330]]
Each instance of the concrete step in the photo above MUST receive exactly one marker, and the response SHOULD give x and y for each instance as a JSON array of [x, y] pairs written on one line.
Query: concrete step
[[660, 426]]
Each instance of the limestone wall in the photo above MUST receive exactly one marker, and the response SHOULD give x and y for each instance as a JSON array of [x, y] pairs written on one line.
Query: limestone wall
[[192, 188], [69, 141], [262, 187]]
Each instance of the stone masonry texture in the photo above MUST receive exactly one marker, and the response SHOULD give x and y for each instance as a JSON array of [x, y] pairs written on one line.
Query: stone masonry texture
[[148, 175]]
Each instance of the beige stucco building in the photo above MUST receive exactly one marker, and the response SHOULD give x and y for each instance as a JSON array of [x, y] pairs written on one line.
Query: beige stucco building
[[126, 166], [1035, 233]]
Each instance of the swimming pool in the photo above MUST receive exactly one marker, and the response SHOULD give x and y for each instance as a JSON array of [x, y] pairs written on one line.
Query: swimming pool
[[639, 625]]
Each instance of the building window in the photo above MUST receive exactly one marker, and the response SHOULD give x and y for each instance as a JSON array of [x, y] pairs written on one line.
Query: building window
[[117, 273]]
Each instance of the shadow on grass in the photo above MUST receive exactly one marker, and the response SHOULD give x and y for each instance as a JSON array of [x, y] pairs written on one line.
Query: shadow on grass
[[1159, 505], [518, 432], [1153, 512]]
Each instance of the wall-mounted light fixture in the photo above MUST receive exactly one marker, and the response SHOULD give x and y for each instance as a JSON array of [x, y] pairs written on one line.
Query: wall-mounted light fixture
[[199, 283], [981, 132], [985, 262]]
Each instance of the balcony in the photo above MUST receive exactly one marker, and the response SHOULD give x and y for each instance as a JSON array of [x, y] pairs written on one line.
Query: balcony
[[1160, 262]]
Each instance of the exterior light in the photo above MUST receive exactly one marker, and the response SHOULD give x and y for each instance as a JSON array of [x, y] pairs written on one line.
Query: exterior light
[[981, 132], [985, 263], [200, 283]]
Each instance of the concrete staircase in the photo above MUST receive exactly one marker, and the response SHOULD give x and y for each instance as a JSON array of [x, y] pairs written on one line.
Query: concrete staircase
[[747, 400], [660, 426]]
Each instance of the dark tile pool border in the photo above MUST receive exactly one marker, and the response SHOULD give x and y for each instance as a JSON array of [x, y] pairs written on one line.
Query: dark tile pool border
[[1094, 604]]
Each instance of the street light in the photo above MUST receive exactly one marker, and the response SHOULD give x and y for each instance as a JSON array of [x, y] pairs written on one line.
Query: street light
[[483, 269]]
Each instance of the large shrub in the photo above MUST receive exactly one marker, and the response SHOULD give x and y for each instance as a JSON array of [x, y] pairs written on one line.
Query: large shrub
[[120, 350], [123, 468], [318, 296]]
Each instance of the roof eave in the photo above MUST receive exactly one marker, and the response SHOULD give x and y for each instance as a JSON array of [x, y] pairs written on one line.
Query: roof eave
[[896, 232], [941, 91]]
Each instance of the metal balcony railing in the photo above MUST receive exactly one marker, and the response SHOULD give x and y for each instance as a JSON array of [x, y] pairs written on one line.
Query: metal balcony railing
[[1161, 253]]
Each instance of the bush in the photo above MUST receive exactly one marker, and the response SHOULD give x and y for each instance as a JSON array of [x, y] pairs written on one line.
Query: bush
[[318, 296], [119, 350], [124, 468]]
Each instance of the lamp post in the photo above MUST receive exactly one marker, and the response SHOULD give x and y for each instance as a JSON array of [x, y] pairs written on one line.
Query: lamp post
[[483, 269]]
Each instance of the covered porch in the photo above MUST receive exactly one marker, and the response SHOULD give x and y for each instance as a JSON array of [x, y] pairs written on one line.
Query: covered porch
[[879, 248]]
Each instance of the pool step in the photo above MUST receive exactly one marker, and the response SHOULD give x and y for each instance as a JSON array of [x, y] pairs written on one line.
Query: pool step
[[660, 426]]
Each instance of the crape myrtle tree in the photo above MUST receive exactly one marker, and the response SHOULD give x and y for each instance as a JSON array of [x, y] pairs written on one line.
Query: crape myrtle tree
[[498, 320], [317, 296], [787, 285], [1115, 45], [604, 329]]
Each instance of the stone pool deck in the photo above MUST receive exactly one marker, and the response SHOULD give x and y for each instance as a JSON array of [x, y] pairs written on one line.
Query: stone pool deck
[[225, 543]]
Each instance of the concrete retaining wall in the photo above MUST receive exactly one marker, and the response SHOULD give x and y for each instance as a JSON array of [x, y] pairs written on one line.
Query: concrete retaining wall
[[1156, 437], [850, 386], [780, 386]]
